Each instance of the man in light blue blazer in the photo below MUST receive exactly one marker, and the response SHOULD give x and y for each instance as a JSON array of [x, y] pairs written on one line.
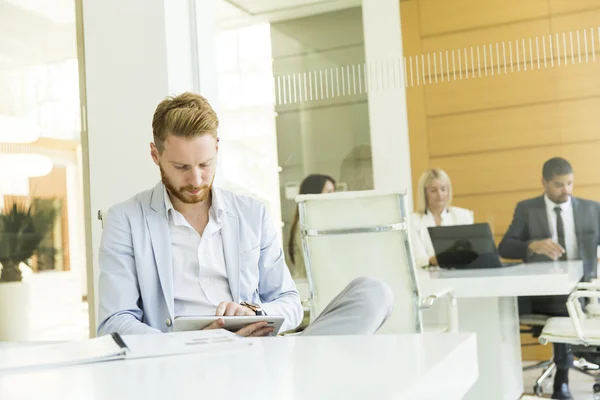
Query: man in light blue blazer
[[186, 247]]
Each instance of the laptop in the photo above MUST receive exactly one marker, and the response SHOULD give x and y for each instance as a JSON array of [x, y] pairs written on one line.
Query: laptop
[[466, 247]]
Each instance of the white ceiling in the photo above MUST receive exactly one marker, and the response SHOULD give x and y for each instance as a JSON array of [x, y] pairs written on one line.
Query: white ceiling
[[268, 6], [243, 12]]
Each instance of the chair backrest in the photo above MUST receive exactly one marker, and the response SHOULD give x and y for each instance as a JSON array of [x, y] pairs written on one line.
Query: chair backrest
[[351, 234]]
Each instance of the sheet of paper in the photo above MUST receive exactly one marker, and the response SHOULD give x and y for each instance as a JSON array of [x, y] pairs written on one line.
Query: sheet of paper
[[56, 354], [165, 344], [19, 356]]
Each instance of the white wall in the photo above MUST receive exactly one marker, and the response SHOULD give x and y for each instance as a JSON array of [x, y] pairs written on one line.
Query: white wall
[[387, 107]]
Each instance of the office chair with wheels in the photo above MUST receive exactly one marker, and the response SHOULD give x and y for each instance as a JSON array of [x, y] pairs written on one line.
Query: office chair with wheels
[[580, 329], [534, 324]]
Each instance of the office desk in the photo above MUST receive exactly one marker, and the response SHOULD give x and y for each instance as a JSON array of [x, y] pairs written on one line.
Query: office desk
[[487, 305], [427, 366]]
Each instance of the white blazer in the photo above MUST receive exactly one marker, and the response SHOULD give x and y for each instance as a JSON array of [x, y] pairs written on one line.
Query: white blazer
[[136, 271], [420, 240]]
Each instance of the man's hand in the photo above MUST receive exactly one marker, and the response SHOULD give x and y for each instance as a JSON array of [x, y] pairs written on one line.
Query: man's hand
[[547, 247], [234, 309], [230, 309], [433, 261], [255, 329]]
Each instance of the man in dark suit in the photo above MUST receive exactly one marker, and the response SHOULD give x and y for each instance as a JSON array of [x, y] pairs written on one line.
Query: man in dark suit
[[555, 226]]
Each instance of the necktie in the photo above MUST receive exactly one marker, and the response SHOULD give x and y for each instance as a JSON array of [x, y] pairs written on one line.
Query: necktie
[[560, 232]]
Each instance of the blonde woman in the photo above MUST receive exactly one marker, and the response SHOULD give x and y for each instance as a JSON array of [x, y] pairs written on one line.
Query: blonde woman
[[434, 199]]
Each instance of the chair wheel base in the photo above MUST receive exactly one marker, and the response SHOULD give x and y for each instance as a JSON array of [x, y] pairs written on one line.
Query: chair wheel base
[[537, 389], [596, 388]]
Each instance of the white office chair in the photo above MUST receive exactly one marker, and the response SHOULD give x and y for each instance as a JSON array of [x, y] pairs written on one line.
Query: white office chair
[[593, 307], [346, 235], [578, 329]]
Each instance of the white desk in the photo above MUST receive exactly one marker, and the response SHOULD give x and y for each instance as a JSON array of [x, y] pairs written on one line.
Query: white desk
[[428, 366], [487, 305]]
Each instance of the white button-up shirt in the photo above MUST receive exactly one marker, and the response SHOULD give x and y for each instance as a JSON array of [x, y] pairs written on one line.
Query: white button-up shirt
[[199, 272], [568, 223], [421, 242]]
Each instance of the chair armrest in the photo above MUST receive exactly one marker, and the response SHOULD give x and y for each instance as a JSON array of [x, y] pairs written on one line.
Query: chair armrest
[[576, 312], [430, 300], [593, 285]]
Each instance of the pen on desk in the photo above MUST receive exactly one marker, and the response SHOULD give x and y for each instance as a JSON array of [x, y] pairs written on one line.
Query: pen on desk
[[119, 340]]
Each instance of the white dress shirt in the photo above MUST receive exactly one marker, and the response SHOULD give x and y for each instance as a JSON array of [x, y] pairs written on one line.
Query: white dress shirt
[[568, 223], [199, 273], [420, 240]]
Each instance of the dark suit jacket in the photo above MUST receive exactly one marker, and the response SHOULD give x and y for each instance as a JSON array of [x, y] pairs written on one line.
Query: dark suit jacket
[[530, 222]]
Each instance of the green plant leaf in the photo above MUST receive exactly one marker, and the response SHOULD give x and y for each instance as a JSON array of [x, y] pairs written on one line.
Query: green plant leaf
[[22, 229]]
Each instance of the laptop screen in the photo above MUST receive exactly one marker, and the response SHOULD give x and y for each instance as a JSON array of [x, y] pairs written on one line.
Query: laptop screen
[[463, 244]]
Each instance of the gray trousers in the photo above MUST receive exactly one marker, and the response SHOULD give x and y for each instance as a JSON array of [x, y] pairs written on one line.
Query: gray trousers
[[360, 309]]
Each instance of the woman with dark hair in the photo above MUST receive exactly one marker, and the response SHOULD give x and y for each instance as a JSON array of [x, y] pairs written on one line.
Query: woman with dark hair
[[312, 184]]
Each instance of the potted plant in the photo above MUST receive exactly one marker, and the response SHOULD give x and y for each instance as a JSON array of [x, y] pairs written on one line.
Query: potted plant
[[22, 229]]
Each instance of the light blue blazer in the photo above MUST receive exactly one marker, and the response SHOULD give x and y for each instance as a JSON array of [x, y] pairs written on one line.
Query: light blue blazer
[[136, 271]]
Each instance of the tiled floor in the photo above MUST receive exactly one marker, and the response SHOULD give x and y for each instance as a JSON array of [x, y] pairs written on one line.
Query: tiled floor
[[581, 385]]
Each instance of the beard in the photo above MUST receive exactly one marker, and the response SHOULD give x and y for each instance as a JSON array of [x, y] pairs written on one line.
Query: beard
[[559, 199], [563, 198], [183, 193]]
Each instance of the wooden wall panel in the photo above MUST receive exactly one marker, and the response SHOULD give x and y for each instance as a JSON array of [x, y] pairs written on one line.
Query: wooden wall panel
[[570, 6], [491, 92], [496, 172], [486, 35], [536, 351], [497, 129], [584, 158], [580, 21], [578, 81], [519, 169], [508, 90], [579, 120], [512, 39], [443, 16], [497, 209], [591, 192], [567, 121]]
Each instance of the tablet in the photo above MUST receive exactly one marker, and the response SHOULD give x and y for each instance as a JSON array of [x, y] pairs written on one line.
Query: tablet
[[233, 324]]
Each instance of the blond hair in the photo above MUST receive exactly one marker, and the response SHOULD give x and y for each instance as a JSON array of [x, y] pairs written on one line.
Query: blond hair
[[426, 178], [187, 115]]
